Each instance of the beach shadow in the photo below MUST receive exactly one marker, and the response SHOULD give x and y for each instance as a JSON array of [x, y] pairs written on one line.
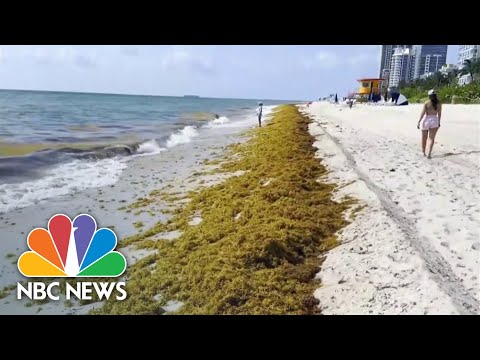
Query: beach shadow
[[454, 154]]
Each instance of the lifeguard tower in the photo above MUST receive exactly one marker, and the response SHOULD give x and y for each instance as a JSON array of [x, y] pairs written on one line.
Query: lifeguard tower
[[369, 87]]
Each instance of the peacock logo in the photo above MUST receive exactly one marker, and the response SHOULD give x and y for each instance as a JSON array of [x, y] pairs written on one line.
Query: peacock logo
[[72, 249]]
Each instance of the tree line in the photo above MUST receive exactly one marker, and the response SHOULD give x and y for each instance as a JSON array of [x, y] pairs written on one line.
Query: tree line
[[446, 85]]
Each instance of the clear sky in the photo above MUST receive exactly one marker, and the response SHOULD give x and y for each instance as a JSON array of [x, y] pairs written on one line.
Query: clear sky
[[253, 71]]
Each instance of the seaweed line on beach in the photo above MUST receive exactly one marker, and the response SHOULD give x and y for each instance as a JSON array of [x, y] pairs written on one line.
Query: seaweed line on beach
[[259, 238]]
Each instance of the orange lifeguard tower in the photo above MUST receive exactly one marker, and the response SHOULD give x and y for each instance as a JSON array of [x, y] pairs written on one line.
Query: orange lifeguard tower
[[369, 86]]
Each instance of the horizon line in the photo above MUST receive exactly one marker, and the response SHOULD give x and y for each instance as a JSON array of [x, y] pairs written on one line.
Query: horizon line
[[125, 94]]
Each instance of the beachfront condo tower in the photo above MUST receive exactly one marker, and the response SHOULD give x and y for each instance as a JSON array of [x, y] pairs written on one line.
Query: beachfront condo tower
[[401, 66], [467, 52], [429, 59], [386, 59]]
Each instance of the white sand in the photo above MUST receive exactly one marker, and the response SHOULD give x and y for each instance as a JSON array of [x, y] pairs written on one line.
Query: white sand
[[416, 248]]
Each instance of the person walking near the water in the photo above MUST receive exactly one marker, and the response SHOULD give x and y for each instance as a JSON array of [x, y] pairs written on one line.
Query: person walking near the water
[[259, 114], [429, 121]]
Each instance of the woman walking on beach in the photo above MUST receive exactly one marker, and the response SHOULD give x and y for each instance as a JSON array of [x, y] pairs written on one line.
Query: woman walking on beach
[[431, 114]]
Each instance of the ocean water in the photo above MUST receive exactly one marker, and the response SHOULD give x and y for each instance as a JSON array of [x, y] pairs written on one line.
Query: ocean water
[[56, 143]]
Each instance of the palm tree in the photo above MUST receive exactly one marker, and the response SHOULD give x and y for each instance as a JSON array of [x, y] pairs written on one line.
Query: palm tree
[[453, 77], [471, 68], [438, 79]]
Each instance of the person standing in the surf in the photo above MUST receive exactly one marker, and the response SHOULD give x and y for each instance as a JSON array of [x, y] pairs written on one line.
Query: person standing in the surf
[[259, 114]]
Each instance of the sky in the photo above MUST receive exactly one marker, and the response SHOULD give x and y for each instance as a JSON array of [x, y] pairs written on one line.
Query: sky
[[283, 72]]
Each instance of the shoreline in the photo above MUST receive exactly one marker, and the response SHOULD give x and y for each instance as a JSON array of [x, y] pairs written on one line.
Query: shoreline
[[223, 225], [250, 244], [72, 168], [121, 206]]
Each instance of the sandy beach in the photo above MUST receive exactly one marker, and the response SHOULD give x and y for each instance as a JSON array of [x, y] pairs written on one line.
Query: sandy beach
[[414, 248], [411, 247], [239, 180]]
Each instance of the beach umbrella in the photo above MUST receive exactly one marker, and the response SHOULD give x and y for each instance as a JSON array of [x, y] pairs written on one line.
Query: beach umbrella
[[402, 100]]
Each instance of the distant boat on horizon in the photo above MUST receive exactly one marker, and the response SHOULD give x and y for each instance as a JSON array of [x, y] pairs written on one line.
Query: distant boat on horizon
[[191, 96]]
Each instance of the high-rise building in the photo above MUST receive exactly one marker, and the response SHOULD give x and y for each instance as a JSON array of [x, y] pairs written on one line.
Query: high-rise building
[[467, 52], [401, 66], [386, 59], [429, 59]]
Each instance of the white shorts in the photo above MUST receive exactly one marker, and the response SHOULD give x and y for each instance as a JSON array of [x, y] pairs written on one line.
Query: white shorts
[[429, 122]]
